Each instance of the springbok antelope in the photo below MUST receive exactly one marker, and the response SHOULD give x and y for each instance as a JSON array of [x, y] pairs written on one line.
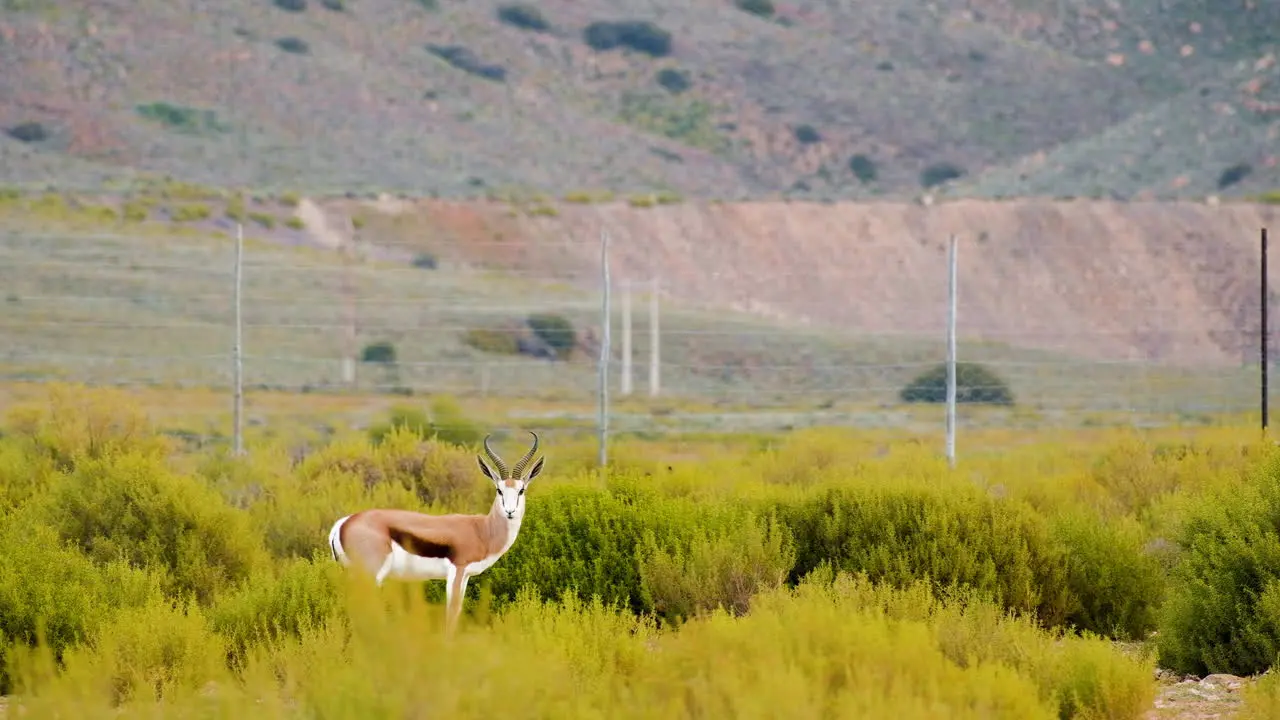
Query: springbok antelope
[[409, 546]]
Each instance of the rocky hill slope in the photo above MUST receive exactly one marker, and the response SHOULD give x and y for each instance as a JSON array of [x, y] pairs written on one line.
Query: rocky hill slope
[[1151, 282], [716, 99]]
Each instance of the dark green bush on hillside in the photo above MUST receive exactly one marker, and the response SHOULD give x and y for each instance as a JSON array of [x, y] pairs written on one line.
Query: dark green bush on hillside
[[760, 8], [1233, 175], [1223, 610], [525, 17], [639, 35], [863, 168], [381, 352], [975, 384], [28, 132], [806, 134], [291, 5], [296, 46], [465, 60], [673, 81], [940, 173], [556, 331]]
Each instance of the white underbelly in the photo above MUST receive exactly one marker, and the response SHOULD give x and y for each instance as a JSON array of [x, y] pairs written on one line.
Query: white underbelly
[[405, 566]]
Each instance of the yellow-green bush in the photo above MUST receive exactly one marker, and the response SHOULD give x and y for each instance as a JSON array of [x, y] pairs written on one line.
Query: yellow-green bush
[[131, 508], [1223, 610], [834, 646], [698, 577], [269, 607], [53, 593]]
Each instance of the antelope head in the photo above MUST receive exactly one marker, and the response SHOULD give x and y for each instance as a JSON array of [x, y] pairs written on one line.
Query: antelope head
[[511, 482]]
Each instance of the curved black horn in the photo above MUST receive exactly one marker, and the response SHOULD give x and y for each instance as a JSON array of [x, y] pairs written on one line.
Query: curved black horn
[[502, 467], [519, 467]]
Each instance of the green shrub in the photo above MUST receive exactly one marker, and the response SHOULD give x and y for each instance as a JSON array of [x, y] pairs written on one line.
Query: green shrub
[[953, 536], [523, 16], [465, 60], [673, 81], [863, 168], [1115, 586], [588, 542], [1223, 610], [639, 35], [271, 607], [556, 331], [294, 45], [295, 223], [425, 261], [182, 119], [759, 8], [190, 213], [975, 384], [447, 423], [52, 593], [940, 173], [1234, 175], [381, 352], [28, 132], [235, 208], [74, 425], [148, 653], [806, 134], [492, 340], [715, 569], [296, 6], [132, 508], [264, 220]]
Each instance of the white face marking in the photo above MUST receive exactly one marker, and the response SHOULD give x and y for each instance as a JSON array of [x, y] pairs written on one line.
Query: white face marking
[[511, 499]]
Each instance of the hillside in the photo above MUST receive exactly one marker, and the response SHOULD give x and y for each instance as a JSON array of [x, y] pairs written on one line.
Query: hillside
[[813, 100], [1092, 305]]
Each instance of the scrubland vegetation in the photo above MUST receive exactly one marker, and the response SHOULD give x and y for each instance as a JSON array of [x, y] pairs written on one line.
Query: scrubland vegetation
[[823, 573]]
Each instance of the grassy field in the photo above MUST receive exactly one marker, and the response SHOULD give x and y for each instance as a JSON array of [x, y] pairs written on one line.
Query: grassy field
[[151, 303], [818, 573]]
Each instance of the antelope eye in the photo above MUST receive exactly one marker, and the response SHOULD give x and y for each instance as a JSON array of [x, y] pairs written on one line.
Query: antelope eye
[[521, 491]]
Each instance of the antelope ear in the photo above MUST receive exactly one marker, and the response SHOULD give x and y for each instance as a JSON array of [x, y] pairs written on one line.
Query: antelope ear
[[484, 468], [537, 468]]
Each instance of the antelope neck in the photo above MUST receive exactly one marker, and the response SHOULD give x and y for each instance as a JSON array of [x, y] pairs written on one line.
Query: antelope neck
[[501, 529]]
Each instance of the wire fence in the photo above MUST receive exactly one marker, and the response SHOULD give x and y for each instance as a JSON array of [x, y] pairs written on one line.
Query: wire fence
[[689, 350]]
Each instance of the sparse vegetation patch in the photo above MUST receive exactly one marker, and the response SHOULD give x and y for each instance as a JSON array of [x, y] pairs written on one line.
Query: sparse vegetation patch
[[688, 120], [465, 60], [295, 6], [189, 120]]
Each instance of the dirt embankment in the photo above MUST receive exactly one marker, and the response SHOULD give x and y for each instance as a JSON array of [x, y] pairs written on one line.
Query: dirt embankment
[[1176, 282]]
